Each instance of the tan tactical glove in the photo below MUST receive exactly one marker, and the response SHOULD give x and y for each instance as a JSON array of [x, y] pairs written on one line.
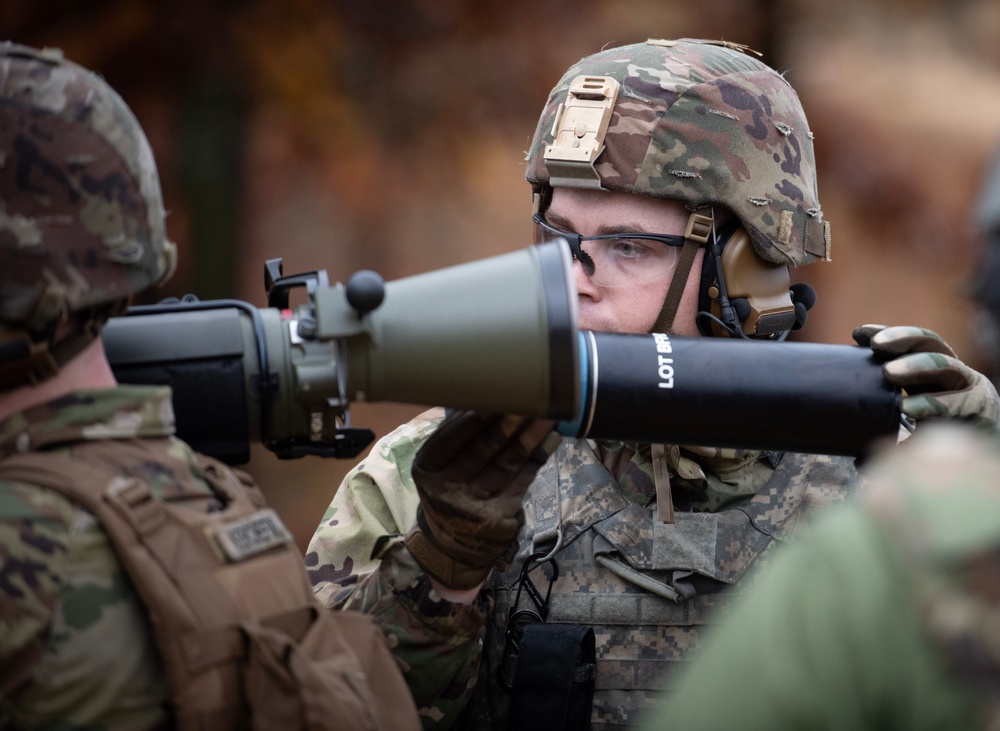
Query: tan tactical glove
[[935, 382], [471, 475]]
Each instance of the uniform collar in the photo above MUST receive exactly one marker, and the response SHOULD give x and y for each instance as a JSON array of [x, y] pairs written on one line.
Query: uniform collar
[[113, 413], [713, 478]]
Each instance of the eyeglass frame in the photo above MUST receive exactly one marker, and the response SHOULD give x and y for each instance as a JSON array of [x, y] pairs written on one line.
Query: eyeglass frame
[[574, 240]]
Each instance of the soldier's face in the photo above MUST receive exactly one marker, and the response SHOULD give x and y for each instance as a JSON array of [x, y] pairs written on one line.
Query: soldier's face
[[634, 308]]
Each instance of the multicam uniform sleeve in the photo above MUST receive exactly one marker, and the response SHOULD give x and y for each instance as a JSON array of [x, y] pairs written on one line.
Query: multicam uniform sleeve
[[357, 561], [75, 651], [32, 552], [377, 499]]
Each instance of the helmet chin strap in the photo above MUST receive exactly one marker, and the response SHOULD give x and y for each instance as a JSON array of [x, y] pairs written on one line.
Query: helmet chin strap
[[699, 228]]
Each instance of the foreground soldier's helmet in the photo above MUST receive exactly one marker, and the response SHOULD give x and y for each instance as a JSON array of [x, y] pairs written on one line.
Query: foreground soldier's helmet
[[696, 121], [81, 213]]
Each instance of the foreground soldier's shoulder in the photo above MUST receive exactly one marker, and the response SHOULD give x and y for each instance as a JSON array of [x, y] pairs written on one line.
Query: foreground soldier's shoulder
[[936, 499], [945, 478]]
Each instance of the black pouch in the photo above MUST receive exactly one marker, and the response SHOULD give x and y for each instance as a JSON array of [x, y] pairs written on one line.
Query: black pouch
[[553, 685]]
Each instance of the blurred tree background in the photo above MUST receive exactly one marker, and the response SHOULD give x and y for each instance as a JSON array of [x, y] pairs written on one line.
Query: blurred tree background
[[390, 134]]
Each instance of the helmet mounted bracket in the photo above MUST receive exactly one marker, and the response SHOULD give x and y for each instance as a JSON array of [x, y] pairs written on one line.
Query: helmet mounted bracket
[[578, 132]]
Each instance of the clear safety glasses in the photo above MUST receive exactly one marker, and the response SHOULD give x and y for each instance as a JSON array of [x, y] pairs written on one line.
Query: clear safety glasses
[[617, 260]]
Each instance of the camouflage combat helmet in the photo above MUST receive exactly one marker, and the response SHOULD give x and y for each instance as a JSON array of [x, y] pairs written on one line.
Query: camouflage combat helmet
[[700, 122], [81, 213]]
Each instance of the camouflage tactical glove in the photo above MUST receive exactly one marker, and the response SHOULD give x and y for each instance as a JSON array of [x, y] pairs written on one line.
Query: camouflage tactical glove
[[936, 382], [471, 475]]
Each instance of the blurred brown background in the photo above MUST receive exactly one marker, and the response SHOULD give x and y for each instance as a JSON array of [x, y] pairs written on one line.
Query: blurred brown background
[[389, 134]]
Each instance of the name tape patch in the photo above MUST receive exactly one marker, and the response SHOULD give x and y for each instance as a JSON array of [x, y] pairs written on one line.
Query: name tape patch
[[254, 534]]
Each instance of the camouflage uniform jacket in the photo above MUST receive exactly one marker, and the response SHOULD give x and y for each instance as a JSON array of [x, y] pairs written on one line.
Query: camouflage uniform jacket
[[75, 651], [644, 586]]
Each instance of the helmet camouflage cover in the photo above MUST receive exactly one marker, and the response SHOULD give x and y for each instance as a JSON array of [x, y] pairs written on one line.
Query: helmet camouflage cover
[[698, 121], [81, 214]]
